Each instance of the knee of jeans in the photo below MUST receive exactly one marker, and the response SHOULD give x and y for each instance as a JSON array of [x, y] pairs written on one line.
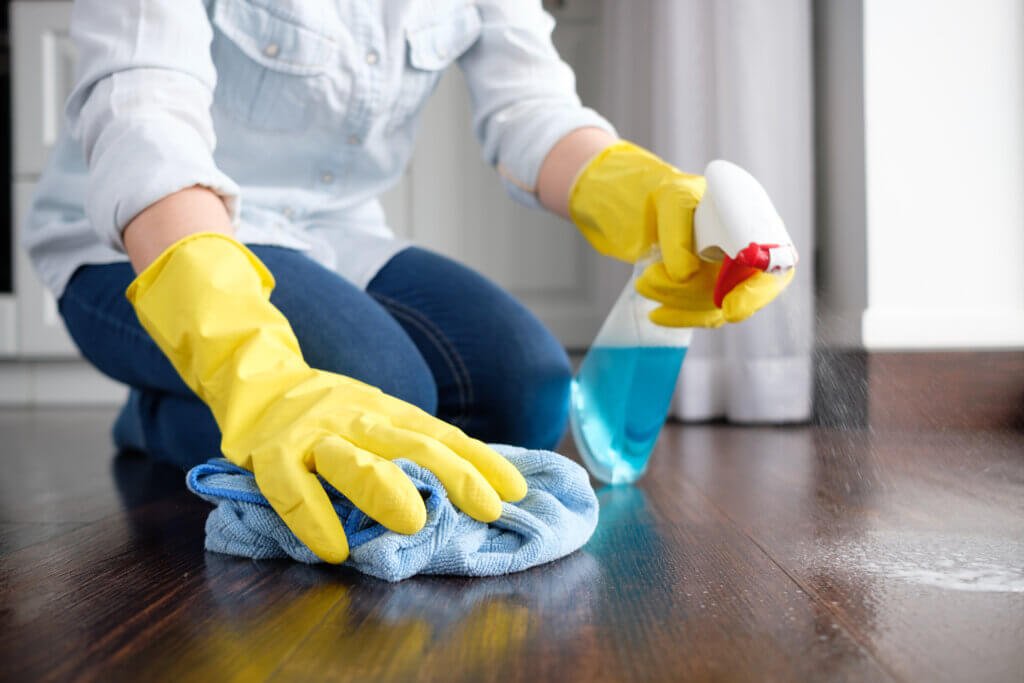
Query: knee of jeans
[[537, 395]]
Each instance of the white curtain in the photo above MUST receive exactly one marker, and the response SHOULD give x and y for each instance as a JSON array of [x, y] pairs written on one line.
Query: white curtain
[[696, 80]]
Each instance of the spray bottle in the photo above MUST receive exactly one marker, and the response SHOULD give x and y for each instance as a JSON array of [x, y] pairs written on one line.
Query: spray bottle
[[621, 393]]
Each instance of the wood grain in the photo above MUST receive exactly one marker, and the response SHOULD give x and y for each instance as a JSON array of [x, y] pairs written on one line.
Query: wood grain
[[895, 533], [947, 390], [919, 390], [745, 554]]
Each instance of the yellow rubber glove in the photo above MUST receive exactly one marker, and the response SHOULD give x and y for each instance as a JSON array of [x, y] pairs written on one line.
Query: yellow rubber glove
[[625, 201], [206, 303], [689, 303]]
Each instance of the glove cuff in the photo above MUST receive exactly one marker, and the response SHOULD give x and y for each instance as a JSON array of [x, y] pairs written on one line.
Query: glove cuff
[[152, 272], [205, 301]]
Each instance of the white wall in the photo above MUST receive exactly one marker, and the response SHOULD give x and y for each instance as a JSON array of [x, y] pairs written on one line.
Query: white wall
[[943, 94]]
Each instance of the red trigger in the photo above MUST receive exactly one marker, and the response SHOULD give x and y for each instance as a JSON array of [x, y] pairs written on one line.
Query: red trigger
[[750, 260]]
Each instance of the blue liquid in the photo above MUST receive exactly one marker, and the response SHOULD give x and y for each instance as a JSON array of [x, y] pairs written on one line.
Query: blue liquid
[[620, 399]]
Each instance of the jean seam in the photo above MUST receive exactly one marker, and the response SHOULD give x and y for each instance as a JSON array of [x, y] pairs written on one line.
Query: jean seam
[[441, 342]]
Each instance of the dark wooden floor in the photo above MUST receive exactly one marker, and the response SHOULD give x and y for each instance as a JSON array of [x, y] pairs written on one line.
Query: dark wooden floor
[[746, 554]]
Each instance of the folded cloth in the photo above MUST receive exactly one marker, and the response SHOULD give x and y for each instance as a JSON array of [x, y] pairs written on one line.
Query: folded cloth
[[557, 516]]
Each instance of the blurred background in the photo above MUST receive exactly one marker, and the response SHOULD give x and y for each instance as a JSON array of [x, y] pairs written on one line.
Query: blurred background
[[889, 133]]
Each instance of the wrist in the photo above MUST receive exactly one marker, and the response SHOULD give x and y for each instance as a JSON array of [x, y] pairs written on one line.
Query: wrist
[[168, 220]]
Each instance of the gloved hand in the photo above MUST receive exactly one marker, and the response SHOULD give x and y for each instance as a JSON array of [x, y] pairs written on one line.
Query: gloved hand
[[206, 303], [627, 200]]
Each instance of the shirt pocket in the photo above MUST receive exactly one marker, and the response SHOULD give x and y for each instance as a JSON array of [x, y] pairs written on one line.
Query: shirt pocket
[[273, 73], [430, 49]]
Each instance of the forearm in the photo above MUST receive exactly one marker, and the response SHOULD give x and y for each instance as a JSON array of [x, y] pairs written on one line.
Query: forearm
[[564, 162], [194, 209]]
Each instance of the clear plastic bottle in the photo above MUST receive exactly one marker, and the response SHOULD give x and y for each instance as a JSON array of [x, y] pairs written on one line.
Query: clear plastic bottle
[[621, 394]]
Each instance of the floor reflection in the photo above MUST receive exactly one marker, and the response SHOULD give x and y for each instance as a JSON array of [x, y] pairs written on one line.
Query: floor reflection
[[435, 627], [356, 627]]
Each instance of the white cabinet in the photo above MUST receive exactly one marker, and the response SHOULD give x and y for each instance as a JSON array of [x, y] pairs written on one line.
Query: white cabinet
[[42, 61]]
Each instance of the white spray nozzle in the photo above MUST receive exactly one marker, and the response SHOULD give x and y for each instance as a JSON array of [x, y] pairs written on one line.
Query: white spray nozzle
[[736, 213], [781, 259]]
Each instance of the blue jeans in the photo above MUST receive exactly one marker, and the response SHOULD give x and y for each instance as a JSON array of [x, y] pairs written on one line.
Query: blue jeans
[[427, 330]]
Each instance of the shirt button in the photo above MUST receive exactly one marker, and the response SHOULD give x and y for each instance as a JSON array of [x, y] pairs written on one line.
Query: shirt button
[[354, 139], [326, 177], [288, 212], [372, 57], [271, 49]]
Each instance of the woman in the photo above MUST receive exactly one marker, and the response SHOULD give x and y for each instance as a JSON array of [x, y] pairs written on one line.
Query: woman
[[196, 128]]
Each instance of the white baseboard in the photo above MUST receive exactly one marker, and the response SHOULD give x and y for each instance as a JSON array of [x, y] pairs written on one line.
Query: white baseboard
[[56, 382], [943, 329]]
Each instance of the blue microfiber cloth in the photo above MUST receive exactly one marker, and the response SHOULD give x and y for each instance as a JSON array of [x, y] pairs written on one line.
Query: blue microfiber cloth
[[557, 516]]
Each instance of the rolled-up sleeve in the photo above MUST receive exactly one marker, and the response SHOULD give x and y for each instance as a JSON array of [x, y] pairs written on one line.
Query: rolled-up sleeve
[[141, 107], [524, 96]]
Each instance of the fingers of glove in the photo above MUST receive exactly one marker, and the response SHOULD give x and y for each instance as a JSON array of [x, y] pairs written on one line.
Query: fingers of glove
[[495, 468], [376, 486], [656, 284], [753, 294], [298, 497], [666, 316], [467, 488], [675, 203], [498, 471]]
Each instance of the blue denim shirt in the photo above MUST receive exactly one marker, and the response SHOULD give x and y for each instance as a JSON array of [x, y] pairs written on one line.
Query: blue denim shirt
[[299, 113]]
